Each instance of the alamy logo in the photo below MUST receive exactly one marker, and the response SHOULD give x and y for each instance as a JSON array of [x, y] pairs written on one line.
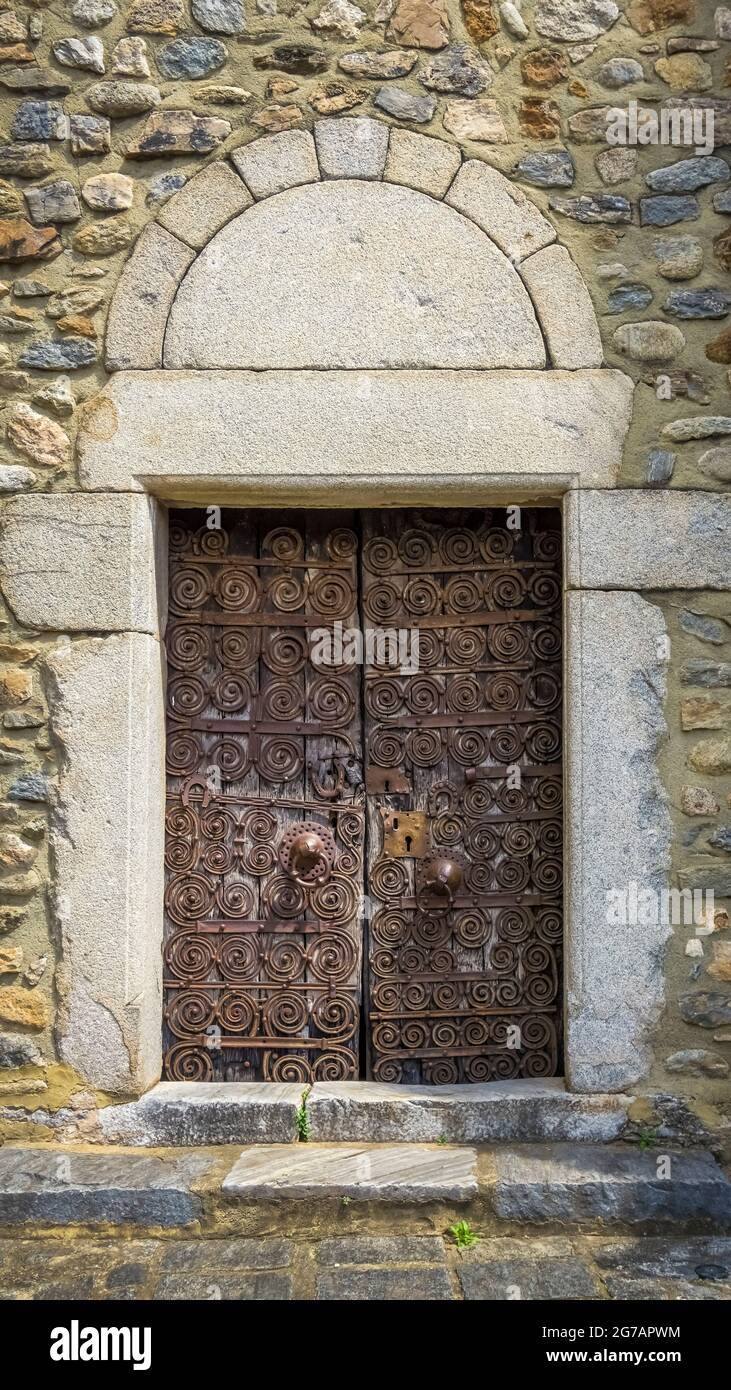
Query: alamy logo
[[77, 1343], [681, 125], [634, 906]]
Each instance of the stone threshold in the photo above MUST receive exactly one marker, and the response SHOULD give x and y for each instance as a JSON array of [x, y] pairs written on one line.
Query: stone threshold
[[193, 1114]]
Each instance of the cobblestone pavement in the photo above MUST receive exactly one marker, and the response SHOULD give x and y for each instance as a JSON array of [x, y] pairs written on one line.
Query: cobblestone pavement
[[273, 1269]]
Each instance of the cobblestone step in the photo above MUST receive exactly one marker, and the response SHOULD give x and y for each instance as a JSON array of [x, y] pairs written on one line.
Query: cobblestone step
[[373, 1268]]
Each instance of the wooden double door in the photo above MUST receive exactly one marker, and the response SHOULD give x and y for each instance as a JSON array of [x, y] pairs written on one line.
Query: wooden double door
[[364, 811]]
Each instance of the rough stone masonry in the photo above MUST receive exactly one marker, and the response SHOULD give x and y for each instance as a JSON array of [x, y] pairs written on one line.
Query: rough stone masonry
[[108, 110]]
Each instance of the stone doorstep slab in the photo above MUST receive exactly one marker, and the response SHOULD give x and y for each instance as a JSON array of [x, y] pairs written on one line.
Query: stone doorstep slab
[[179, 1113], [503, 1111], [63, 1187], [393, 1173], [189, 1113], [619, 1184]]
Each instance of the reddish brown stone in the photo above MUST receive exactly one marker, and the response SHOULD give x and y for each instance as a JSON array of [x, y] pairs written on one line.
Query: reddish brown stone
[[480, 19], [722, 248], [17, 53], [275, 119], [420, 23], [539, 119], [577, 89], [544, 67], [719, 350], [331, 97], [649, 16], [19, 241], [77, 323]]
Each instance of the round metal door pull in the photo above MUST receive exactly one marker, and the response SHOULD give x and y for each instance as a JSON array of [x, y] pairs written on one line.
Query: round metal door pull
[[307, 853]]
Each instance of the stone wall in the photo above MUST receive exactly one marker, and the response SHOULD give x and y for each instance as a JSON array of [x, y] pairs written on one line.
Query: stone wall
[[107, 111]]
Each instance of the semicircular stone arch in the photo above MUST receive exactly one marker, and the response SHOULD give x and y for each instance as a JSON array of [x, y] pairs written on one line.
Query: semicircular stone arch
[[362, 246]]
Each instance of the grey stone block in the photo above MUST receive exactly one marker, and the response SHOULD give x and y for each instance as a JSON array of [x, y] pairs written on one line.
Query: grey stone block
[[449, 299], [179, 1113], [380, 1250], [611, 1184], [396, 1173], [630, 539], [366, 430], [660, 1291], [59, 1188], [362, 1111], [139, 311], [385, 1285], [658, 1258], [536, 1279], [211, 1286], [190, 1256], [353, 147], [618, 814]]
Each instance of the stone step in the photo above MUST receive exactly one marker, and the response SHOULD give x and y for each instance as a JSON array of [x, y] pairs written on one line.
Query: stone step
[[59, 1186], [501, 1111], [391, 1173], [186, 1113], [502, 1190], [610, 1184], [363, 1112]]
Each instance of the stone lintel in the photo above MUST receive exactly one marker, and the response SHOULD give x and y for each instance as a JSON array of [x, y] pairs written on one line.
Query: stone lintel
[[312, 435]]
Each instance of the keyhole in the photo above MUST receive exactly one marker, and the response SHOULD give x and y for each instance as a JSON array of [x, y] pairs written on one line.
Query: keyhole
[[387, 786], [408, 844]]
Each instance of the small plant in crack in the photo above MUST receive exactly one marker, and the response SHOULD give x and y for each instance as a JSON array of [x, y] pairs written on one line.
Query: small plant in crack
[[647, 1137], [463, 1235], [302, 1118], [441, 1139]]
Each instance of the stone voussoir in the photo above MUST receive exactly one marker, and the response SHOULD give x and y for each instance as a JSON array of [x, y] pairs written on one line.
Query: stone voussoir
[[142, 301], [276, 162], [204, 204], [502, 210], [565, 311], [353, 147], [421, 162]]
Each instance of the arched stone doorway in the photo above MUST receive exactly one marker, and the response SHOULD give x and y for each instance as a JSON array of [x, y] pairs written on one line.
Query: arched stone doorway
[[470, 361]]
